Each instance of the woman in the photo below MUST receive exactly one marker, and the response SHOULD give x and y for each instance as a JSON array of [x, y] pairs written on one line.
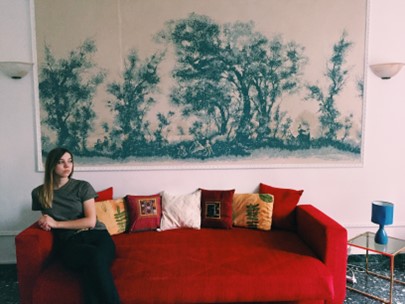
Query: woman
[[82, 242]]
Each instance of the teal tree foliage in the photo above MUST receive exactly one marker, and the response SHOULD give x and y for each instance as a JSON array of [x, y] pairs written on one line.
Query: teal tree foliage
[[200, 90], [66, 90], [132, 100], [230, 78], [329, 116], [226, 99], [280, 73], [162, 131]]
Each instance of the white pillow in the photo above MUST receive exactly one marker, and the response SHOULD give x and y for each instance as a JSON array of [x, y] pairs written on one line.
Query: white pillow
[[181, 211]]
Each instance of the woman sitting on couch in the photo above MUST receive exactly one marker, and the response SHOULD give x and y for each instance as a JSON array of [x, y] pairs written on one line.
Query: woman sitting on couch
[[82, 242]]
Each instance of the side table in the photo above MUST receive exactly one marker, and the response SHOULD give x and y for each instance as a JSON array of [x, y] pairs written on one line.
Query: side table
[[391, 249]]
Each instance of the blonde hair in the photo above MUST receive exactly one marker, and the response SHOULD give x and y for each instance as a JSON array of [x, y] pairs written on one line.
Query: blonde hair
[[46, 191]]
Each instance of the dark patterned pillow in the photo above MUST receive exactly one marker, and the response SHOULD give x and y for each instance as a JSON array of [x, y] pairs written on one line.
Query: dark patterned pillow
[[144, 212], [216, 208]]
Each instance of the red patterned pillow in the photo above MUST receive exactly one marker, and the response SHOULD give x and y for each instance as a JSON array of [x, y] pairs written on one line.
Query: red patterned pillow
[[105, 195], [285, 201], [144, 212], [216, 208]]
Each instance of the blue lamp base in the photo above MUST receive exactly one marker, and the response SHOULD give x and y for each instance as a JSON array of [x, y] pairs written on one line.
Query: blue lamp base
[[381, 236]]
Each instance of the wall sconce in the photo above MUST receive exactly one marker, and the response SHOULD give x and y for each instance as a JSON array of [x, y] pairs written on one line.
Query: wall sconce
[[15, 69], [386, 70]]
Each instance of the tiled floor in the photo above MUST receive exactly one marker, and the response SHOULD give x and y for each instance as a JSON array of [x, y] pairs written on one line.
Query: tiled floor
[[9, 285], [375, 285]]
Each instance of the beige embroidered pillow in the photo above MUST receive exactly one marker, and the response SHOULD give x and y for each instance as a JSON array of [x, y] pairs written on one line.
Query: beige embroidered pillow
[[253, 210], [113, 214]]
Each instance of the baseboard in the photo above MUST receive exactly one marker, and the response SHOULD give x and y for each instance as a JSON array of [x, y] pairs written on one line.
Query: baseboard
[[9, 233], [8, 262]]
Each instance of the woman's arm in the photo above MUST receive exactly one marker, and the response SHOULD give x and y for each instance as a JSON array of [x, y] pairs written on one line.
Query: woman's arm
[[46, 222]]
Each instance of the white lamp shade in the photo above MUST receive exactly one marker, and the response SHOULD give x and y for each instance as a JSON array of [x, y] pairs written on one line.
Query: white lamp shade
[[386, 70], [15, 69]]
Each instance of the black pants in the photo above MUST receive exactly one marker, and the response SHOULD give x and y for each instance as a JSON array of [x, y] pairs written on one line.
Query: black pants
[[92, 253]]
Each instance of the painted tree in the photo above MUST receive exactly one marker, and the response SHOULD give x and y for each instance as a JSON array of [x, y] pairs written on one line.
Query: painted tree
[[279, 74], [207, 101], [281, 125], [337, 75], [232, 74], [133, 98], [244, 53], [200, 89], [66, 90], [162, 131]]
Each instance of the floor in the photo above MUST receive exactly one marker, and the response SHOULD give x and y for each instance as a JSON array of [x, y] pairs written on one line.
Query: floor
[[9, 284], [371, 284]]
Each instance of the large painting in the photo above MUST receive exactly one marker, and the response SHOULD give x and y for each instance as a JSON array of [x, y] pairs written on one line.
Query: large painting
[[155, 84]]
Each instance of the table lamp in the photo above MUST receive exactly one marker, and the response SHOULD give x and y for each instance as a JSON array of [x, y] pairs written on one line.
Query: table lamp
[[382, 213]]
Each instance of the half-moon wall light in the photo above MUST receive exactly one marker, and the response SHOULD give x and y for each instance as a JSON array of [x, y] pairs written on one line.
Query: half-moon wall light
[[386, 70], [15, 69]]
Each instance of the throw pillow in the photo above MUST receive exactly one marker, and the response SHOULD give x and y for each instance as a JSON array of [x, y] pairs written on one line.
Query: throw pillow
[[104, 195], [113, 214], [216, 208], [144, 212], [253, 210], [285, 202], [181, 211]]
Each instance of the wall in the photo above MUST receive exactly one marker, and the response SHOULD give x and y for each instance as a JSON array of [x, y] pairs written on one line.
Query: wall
[[343, 193]]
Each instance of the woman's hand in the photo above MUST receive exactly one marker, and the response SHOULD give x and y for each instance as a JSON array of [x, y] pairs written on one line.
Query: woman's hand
[[46, 222]]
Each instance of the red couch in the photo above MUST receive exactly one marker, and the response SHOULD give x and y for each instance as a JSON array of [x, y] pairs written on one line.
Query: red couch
[[203, 266]]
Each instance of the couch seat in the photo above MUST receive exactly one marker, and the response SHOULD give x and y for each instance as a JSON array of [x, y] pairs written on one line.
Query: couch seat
[[208, 265]]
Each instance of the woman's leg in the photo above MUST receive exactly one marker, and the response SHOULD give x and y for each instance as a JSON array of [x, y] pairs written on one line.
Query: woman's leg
[[98, 268], [92, 252]]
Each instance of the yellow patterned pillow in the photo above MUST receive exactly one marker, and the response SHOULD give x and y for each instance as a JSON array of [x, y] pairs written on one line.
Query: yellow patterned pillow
[[113, 214], [253, 210]]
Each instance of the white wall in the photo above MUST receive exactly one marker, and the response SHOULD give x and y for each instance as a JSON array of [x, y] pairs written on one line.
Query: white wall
[[343, 193]]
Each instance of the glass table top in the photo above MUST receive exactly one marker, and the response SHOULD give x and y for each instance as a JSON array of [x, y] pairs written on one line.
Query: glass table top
[[366, 241]]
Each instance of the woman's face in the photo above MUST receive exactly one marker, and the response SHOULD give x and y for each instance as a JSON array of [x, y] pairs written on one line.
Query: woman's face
[[64, 166]]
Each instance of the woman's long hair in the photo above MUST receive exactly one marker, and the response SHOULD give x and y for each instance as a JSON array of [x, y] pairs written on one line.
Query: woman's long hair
[[46, 191]]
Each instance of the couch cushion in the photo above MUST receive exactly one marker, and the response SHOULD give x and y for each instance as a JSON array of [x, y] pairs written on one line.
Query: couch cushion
[[216, 208], [144, 212], [285, 201], [106, 194], [113, 214], [202, 266], [181, 211], [253, 210]]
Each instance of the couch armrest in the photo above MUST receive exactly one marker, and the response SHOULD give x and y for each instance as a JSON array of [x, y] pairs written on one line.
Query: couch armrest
[[33, 249], [328, 240]]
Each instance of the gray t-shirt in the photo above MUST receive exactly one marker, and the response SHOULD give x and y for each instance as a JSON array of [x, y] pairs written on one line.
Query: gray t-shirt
[[67, 204]]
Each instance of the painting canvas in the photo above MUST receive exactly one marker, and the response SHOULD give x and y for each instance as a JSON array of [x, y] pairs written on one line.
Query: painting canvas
[[153, 84]]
